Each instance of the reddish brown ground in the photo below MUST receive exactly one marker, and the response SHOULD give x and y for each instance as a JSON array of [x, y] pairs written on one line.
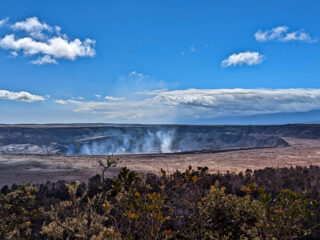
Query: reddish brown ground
[[40, 168]]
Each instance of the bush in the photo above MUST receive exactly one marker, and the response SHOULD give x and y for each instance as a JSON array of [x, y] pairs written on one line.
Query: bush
[[183, 205], [17, 210], [78, 218], [226, 216]]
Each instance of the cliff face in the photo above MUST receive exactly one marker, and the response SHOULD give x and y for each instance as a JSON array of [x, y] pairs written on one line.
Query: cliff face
[[123, 139]]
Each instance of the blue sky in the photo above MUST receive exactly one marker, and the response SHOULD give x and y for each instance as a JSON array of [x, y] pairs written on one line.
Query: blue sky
[[196, 62]]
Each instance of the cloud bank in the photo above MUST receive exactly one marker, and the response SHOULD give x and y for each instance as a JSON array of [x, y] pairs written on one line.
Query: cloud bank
[[20, 96], [243, 58], [283, 34], [46, 42], [202, 103]]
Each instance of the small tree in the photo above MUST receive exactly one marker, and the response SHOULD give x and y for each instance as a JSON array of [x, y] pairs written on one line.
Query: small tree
[[111, 161]]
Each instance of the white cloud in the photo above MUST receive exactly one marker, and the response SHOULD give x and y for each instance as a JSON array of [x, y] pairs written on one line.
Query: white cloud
[[154, 92], [203, 103], [248, 58], [14, 54], [46, 59], [20, 96], [110, 98], [56, 47], [60, 101], [137, 74], [79, 98], [63, 102], [97, 96], [47, 42], [126, 110], [33, 26], [283, 34], [243, 101], [3, 21]]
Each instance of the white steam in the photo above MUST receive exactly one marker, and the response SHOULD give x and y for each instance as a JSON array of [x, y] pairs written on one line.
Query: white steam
[[150, 141]]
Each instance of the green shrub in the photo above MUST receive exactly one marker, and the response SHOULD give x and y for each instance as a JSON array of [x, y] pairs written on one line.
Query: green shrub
[[226, 216], [78, 218], [149, 207], [288, 215], [17, 210]]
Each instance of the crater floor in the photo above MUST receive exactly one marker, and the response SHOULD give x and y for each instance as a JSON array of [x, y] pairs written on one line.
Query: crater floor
[[18, 168]]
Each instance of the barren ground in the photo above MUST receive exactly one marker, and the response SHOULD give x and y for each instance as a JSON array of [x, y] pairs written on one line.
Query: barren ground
[[17, 168]]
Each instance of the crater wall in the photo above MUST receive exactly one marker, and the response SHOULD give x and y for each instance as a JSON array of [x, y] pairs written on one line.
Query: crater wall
[[101, 139]]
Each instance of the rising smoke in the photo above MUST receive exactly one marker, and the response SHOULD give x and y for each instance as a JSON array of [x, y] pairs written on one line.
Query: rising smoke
[[117, 142]]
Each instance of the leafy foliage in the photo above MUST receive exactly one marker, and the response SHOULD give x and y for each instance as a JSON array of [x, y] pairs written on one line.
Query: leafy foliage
[[77, 218], [184, 205], [17, 210]]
